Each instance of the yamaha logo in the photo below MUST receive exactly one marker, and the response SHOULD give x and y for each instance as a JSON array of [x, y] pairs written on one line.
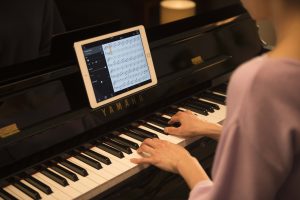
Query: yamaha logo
[[121, 105]]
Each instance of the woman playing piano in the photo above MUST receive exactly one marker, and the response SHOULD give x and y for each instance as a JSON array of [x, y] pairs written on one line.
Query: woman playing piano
[[258, 155]]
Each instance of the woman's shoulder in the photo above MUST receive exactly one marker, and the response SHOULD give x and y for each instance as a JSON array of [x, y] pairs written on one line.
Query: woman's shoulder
[[264, 82], [268, 74]]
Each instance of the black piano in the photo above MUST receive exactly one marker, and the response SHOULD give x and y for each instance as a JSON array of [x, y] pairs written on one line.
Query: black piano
[[54, 146]]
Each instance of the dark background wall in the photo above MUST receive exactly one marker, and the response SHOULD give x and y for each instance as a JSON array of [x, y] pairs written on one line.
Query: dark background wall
[[28, 26], [80, 13]]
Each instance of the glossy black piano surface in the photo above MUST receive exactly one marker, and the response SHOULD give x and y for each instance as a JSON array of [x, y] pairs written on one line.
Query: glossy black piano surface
[[55, 125]]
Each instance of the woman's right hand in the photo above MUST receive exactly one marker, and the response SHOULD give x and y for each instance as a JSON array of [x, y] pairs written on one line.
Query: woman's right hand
[[191, 125]]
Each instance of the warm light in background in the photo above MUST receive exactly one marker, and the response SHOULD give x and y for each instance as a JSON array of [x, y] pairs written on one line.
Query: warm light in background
[[172, 10]]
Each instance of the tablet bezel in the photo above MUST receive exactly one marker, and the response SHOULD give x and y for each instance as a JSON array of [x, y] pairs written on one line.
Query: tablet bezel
[[86, 76]]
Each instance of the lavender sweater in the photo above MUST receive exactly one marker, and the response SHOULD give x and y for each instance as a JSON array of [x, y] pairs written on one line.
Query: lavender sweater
[[258, 155]]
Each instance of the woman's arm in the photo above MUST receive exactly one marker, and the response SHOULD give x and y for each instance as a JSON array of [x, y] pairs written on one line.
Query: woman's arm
[[172, 158], [192, 172], [191, 126]]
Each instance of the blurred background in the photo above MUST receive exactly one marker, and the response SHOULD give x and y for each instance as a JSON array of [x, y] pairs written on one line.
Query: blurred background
[[28, 26]]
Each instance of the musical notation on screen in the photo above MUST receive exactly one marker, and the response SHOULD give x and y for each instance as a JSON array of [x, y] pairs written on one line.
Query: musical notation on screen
[[126, 62]]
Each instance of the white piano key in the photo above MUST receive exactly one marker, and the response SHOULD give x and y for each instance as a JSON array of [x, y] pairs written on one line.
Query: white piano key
[[82, 185], [11, 193], [134, 154], [130, 139], [108, 171], [76, 186], [86, 180], [221, 112], [166, 116], [120, 160], [127, 158], [16, 192], [59, 191], [218, 93], [94, 174], [42, 194], [117, 164], [208, 118], [170, 138], [155, 125]]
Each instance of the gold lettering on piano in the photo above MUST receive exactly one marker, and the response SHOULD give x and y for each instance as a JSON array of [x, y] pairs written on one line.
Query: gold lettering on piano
[[133, 100], [126, 103], [121, 105], [103, 111], [111, 110], [9, 130], [141, 98], [197, 60]]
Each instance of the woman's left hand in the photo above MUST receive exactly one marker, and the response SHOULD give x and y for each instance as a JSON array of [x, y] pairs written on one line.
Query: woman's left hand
[[162, 154]]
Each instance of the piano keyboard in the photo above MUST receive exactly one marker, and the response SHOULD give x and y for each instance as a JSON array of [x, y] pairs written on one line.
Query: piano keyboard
[[97, 166]]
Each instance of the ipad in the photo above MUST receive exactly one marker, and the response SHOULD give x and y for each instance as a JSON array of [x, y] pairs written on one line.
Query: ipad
[[115, 65]]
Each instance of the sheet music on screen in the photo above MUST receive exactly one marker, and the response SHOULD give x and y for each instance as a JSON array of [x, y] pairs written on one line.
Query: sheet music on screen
[[117, 64], [126, 62]]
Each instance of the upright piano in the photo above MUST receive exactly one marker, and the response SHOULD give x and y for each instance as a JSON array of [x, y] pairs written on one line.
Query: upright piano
[[54, 146]]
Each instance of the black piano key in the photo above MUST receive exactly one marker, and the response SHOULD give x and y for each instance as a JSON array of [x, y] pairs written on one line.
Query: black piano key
[[38, 184], [163, 121], [213, 97], [55, 177], [93, 163], [215, 106], [5, 195], [74, 167], [66, 173], [145, 132], [221, 89], [198, 103], [219, 97], [98, 156], [142, 132], [170, 111], [27, 190], [133, 135], [158, 121], [195, 108], [144, 123], [109, 149], [117, 145], [161, 118], [124, 141]]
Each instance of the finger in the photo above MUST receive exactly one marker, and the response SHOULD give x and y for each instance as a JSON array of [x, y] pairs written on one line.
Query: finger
[[189, 112], [146, 160], [175, 118], [144, 148], [151, 142], [172, 130]]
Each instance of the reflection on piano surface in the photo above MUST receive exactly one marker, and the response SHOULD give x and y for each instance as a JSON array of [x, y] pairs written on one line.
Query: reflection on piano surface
[[65, 150]]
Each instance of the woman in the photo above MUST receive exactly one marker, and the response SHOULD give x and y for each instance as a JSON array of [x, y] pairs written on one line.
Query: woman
[[258, 155]]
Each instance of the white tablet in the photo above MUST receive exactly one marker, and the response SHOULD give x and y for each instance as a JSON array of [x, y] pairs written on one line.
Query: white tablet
[[115, 65]]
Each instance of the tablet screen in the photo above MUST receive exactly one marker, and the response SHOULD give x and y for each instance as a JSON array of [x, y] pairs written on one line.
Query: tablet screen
[[118, 64]]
